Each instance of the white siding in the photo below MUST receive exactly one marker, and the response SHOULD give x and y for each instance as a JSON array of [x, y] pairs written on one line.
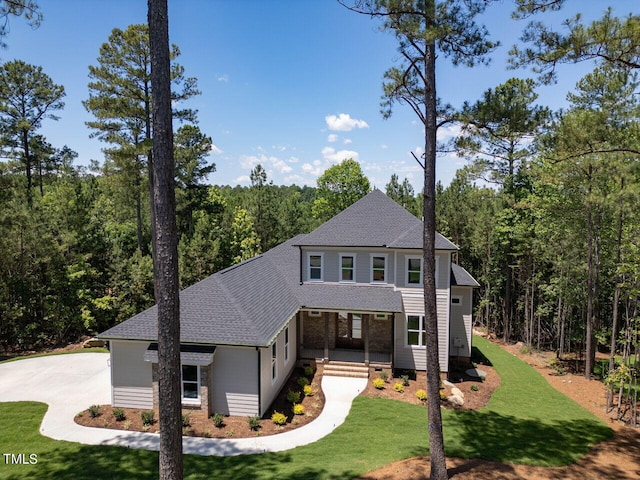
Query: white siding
[[131, 381], [268, 388], [461, 321], [234, 381], [413, 357]]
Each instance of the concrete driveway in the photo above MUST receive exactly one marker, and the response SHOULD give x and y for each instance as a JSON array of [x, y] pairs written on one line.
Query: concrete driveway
[[72, 383]]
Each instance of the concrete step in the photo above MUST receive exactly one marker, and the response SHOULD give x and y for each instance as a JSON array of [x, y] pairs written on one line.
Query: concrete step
[[346, 369]]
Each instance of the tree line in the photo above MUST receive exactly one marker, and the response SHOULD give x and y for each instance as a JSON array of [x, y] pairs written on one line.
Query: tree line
[[544, 212]]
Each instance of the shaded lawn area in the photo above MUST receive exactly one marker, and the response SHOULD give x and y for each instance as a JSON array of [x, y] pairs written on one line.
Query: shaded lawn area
[[526, 421]]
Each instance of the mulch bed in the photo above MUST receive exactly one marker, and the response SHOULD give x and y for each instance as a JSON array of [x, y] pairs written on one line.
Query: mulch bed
[[238, 427]]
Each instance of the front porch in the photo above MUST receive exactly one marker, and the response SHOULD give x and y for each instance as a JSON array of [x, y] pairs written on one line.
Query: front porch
[[363, 338]]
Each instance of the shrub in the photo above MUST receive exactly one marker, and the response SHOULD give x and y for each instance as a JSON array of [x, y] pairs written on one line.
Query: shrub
[[309, 371], [443, 395], [279, 418], [303, 381], [421, 395], [147, 417], [378, 383], [127, 424], [398, 387], [405, 380], [474, 388], [253, 422], [384, 376], [218, 420], [298, 409], [186, 420], [119, 414], [308, 391], [293, 396], [94, 411]]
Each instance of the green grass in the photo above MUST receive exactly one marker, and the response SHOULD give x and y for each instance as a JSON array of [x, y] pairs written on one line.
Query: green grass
[[35, 355], [526, 421]]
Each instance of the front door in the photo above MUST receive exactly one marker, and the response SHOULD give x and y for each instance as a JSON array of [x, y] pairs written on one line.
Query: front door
[[349, 331]]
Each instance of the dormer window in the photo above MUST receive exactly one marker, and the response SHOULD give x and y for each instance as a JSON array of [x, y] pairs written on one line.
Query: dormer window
[[315, 267], [378, 268]]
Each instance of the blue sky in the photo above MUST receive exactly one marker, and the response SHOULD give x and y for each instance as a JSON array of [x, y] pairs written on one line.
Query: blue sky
[[294, 85]]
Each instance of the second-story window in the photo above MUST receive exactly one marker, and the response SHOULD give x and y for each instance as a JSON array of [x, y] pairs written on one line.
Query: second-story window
[[414, 270], [347, 268], [378, 269], [315, 267]]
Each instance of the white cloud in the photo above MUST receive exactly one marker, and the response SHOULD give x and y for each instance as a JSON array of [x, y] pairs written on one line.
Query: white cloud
[[315, 168], [334, 156], [332, 138], [242, 179], [215, 150], [344, 123], [223, 78], [347, 141], [248, 162], [450, 131]]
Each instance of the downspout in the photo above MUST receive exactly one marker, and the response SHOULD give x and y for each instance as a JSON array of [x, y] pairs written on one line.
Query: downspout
[[259, 383]]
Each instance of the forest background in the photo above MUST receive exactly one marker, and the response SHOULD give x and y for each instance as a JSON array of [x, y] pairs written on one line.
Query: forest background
[[545, 212]]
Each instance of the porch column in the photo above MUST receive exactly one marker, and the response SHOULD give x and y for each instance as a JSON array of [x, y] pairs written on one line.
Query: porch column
[[365, 329], [326, 335]]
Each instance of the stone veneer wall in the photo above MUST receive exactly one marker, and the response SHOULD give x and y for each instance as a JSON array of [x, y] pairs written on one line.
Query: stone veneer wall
[[205, 372], [313, 330], [380, 334]]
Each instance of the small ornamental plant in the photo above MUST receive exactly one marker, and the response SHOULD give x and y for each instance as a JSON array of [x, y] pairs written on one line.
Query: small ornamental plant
[[398, 387], [421, 395], [384, 375], [308, 391], [378, 383], [405, 380], [443, 395], [253, 422], [303, 381], [293, 396], [119, 415], [218, 420], [186, 420], [298, 409], [279, 418], [309, 371], [147, 417], [474, 388], [94, 411]]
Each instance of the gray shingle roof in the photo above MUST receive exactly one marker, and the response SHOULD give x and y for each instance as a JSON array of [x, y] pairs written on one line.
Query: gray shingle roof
[[249, 303], [373, 221], [460, 277]]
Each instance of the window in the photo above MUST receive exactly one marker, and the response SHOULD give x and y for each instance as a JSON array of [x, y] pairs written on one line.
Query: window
[[190, 383], [315, 267], [378, 269], [286, 344], [274, 358], [356, 326], [416, 334], [347, 268], [380, 316], [456, 300], [314, 313], [414, 271]]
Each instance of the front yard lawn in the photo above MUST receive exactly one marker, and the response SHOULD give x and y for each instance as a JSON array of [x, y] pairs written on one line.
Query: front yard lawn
[[526, 421]]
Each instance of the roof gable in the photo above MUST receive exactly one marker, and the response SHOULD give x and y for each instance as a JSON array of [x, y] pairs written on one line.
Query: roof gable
[[373, 221]]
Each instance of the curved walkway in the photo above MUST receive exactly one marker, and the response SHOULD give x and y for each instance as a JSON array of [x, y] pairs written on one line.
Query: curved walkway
[[71, 383]]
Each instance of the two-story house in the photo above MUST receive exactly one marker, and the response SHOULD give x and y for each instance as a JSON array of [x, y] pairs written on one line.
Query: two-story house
[[350, 291]]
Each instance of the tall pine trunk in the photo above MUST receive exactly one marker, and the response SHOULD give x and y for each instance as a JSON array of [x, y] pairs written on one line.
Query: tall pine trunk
[[165, 246], [434, 415]]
